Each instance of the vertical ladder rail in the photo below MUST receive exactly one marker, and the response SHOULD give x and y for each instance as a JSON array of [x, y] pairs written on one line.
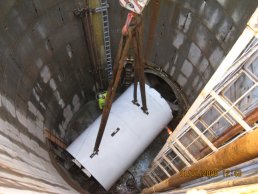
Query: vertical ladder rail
[[106, 33]]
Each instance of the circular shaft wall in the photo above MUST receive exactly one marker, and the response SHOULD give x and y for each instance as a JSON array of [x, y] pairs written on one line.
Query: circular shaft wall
[[45, 70]]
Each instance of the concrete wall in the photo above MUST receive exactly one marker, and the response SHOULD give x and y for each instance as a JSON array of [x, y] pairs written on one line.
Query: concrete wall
[[190, 38], [44, 78], [45, 74]]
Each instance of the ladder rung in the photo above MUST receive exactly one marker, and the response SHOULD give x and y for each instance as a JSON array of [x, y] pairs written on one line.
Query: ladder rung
[[107, 39]]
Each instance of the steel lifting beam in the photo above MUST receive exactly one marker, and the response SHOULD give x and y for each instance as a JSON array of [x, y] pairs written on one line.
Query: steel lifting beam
[[134, 36], [139, 68]]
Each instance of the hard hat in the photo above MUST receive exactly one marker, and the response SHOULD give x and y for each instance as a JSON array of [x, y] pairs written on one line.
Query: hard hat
[[135, 6]]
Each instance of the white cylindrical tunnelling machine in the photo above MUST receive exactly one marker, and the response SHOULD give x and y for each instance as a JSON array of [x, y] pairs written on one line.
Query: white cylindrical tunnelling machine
[[136, 131]]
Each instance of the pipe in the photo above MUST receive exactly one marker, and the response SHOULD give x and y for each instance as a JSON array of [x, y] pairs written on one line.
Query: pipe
[[220, 185], [247, 169], [239, 151], [123, 138], [89, 50], [87, 26], [231, 132], [93, 45], [252, 188]]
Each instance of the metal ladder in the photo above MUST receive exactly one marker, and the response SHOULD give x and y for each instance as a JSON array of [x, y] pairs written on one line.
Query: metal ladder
[[109, 68]]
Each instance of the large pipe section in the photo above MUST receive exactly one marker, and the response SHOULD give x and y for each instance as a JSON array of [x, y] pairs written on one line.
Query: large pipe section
[[241, 150], [128, 133]]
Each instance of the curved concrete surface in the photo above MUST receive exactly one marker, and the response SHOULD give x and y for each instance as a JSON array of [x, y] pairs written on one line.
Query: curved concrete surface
[[45, 71]]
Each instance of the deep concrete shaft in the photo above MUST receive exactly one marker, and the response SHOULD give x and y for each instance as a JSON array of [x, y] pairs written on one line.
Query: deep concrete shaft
[[45, 71]]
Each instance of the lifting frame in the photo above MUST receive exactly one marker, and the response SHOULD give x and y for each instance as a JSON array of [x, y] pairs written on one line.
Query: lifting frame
[[132, 37]]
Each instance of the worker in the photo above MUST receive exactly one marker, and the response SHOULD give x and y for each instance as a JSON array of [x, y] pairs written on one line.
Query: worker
[[102, 99]]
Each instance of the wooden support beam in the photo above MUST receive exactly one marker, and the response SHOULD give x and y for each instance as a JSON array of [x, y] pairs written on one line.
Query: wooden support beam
[[232, 132], [241, 150], [54, 139]]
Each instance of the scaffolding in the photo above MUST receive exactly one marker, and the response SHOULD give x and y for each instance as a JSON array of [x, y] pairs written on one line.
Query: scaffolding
[[223, 112]]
